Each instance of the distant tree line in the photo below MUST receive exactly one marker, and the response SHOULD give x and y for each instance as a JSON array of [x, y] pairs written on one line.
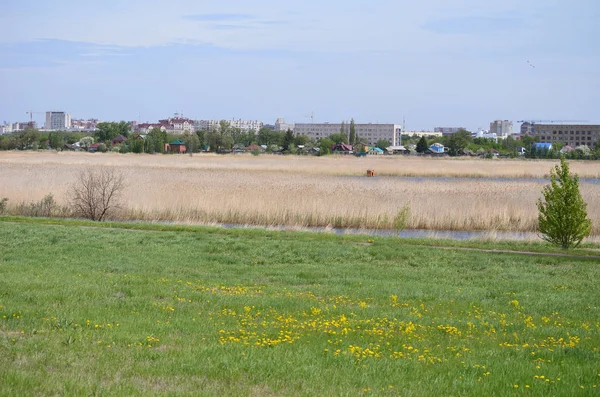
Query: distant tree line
[[224, 138]]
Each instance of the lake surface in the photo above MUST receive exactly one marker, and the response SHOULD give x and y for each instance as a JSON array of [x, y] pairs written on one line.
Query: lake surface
[[418, 179], [413, 233]]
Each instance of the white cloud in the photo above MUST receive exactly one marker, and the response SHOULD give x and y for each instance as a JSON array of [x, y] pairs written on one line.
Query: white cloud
[[310, 25]]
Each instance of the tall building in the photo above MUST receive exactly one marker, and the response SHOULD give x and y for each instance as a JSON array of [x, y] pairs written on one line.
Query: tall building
[[370, 132], [57, 121], [281, 125], [569, 134], [448, 130], [502, 128], [527, 128]]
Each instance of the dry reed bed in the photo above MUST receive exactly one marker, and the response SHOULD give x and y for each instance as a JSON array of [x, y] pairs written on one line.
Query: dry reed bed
[[269, 191], [330, 165]]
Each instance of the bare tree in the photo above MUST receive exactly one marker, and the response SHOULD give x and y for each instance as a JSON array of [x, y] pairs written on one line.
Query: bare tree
[[96, 192]]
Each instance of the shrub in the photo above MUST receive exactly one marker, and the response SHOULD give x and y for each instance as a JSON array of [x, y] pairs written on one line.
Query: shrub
[[46, 207], [562, 215], [3, 202], [95, 194], [401, 219]]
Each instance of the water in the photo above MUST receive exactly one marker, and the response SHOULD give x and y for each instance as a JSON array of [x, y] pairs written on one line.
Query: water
[[421, 179], [412, 233]]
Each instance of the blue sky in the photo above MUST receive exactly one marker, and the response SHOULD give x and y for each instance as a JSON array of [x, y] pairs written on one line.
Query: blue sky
[[434, 62]]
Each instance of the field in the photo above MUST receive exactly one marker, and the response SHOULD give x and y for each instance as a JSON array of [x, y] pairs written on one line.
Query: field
[[207, 311], [308, 191]]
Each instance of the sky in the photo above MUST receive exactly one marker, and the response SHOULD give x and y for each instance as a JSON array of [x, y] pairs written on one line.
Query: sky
[[430, 62]]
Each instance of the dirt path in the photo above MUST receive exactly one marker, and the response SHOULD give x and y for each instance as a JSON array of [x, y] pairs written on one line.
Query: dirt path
[[530, 253]]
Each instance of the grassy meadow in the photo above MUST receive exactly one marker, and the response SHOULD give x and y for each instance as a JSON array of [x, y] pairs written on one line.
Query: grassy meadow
[[209, 311], [306, 191]]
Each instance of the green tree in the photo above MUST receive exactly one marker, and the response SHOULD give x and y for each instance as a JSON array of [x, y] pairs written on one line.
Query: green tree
[[338, 138], [458, 141], [201, 137], [288, 141], [562, 218], [352, 138], [156, 140], [109, 131], [301, 140], [28, 137], [74, 137], [325, 145], [219, 139], [86, 142], [343, 130], [192, 143], [382, 144], [267, 136], [56, 140], [422, 145], [105, 132], [137, 146], [123, 128]]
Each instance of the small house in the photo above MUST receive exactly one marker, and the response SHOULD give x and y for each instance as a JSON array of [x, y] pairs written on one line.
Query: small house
[[118, 140], [436, 148], [397, 150], [567, 149], [341, 148], [375, 151], [542, 146], [93, 148], [254, 148], [177, 146]]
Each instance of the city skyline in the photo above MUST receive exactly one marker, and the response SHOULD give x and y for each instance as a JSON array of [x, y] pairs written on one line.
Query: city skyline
[[435, 63]]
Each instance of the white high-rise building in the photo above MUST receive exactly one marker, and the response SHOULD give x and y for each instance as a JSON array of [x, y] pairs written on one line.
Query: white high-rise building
[[502, 128], [281, 125], [57, 121], [369, 132]]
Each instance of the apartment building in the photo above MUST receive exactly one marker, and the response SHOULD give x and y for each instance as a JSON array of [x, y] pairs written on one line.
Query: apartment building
[[281, 125], [569, 134], [423, 133], [502, 128], [370, 132], [178, 125], [244, 125], [84, 125], [448, 130], [57, 121]]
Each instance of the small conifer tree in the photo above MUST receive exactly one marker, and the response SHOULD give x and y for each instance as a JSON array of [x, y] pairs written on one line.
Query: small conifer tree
[[422, 145], [562, 215]]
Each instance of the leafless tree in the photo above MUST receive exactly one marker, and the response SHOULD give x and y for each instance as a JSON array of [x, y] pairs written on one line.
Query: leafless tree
[[96, 192]]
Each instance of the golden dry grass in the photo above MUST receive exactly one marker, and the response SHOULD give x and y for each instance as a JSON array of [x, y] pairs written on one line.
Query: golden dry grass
[[306, 191]]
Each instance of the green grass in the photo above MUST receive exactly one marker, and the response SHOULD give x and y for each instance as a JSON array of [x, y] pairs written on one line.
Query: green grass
[[118, 310]]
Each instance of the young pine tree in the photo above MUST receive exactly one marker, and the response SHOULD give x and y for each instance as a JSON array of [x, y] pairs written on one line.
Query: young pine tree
[[562, 215], [422, 145]]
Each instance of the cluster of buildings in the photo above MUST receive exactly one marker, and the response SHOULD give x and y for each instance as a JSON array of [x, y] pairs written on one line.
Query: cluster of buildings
[[177, 125], [54, 121], [551, 132]]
